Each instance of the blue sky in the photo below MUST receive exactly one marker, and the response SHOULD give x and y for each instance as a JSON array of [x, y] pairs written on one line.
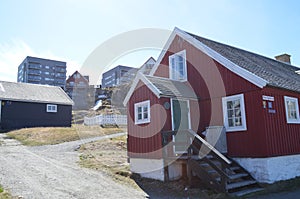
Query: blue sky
[[69, 30]]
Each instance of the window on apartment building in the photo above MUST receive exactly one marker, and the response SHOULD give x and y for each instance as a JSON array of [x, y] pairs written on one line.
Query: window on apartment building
[[51, 108], [177, 66], [291, 110], [234, 113], [142, 112]]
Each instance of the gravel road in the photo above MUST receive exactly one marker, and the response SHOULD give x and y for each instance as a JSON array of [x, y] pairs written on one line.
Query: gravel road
[[52, 172]]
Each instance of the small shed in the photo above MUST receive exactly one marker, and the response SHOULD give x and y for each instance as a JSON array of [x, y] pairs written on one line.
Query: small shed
[[31, 105]]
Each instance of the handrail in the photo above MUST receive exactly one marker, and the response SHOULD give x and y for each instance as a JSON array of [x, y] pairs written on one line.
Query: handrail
[[213, 149]]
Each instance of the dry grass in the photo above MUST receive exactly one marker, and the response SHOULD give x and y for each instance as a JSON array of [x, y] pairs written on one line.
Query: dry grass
[[4, 194], [56, 135], [109, 156]]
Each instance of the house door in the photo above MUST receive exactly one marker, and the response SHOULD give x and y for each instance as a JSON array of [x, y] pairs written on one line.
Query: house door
[[180, 121]]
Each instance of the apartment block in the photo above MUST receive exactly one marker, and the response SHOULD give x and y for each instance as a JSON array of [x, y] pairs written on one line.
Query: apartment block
[[42, 71], [118, 75]]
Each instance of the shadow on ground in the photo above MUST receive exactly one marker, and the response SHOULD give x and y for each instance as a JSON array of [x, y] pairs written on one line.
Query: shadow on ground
[[173, 190]]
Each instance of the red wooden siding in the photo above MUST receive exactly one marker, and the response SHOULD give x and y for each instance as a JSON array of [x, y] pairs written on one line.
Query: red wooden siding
[[282, 138], [252, 142], [211, 81], [144, 141], [267, 134]]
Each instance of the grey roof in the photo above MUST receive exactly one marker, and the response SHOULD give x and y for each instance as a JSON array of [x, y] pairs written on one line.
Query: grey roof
[[33, 93], [276, 73], [171, 88]]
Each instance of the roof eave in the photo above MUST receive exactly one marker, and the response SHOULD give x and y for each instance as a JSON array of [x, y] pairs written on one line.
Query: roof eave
[[254, 79], [36, 101], [141, 77]]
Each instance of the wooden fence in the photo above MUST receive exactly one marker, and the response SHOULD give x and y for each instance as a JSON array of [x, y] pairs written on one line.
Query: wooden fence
[[106, 120]]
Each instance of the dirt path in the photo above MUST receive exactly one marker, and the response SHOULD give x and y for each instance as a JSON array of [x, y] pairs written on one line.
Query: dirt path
[[52, 172]]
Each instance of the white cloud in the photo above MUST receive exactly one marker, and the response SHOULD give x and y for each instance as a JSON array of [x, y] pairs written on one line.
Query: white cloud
[[12, 53]]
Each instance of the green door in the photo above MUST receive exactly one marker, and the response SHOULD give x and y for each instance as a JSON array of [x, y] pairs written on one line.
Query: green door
[[180, 121]]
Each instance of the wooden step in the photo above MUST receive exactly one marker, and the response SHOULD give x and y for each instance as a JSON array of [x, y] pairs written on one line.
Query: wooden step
[[246, 191], [212, 171], [240, 184], [234, 176], [215, 162], [238, 175], [235, 168]]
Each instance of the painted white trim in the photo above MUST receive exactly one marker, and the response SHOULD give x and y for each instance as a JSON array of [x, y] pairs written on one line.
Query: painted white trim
[[288, 120], [163, 52], [141, 77], [172, 119], [256, 80], [51, 110], [272, 169], [243, 113], [143, 120], [183, 55]]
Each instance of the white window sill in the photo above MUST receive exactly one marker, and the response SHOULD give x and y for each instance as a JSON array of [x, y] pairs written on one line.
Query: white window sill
[[293, 121], [233, 129], [142, 122]]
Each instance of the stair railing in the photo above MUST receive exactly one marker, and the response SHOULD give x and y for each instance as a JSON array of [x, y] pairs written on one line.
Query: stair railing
[[210, 147]]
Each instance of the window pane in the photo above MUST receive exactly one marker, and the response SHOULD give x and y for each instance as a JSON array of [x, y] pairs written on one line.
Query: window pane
[[230, 113], [237, 112], [145, 108], [236, 104], [180, 58], [230, 123], [139, 116], [238, 121], [145, 115], [139, 110], [145, 112], [177, 67], [229, 105], [292, 114]]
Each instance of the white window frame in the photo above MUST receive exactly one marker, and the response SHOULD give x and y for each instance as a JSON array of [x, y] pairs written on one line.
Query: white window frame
[[51, 108], [290, 120], [175, 75], [142, 105], [240, 97]]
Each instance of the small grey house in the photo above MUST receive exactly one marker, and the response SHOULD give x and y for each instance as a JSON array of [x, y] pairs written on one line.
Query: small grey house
[[31, 105]]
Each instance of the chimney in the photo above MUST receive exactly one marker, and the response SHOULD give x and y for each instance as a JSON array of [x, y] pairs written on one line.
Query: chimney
[[284, 58]]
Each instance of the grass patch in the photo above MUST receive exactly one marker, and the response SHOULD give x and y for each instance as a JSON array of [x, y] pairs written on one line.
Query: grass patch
[[56, 135], [4, 194], [109, 156]]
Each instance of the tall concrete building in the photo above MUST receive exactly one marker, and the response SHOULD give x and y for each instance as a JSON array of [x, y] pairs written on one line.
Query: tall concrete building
[[42, 71], [118, 75]]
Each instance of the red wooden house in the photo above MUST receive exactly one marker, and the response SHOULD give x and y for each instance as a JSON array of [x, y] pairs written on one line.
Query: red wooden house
[[200, 85], [77, 87]]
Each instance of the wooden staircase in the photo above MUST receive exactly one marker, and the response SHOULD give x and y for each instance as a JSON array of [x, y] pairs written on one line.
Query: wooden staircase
[[215, 170], [231, 178]]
